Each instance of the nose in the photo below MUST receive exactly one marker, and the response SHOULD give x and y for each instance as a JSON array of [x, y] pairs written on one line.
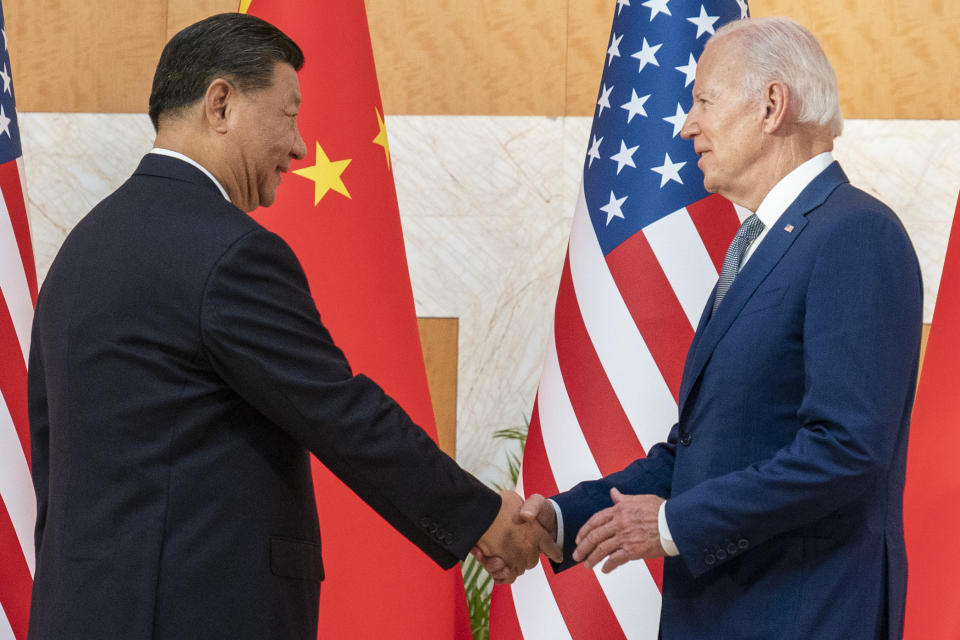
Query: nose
[[690, 127], [299, 151]]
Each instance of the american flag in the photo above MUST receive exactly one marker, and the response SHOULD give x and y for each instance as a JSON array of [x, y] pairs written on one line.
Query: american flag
[[18, 284], [645, 251]]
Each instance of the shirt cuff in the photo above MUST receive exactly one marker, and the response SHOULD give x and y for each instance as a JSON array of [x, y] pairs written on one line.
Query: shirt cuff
[[666, 540], [556, 508]]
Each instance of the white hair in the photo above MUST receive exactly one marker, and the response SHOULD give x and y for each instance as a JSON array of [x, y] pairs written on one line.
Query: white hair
[[780, 49]]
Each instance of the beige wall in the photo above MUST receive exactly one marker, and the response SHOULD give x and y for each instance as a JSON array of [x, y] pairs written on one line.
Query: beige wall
[[487, 57], [894, 59]]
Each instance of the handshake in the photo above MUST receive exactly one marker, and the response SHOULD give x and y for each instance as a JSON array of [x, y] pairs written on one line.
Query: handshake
[[628, 530], [517, 537]]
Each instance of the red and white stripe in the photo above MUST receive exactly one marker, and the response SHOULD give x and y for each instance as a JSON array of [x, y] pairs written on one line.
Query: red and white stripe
[[18, 510], [608, 392]]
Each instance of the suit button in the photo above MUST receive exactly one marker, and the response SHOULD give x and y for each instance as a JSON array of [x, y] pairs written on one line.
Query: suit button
[[709, 560], [731, 548], [686, 439], [721, 555], [448, 539], [424, 523], [743, 543]]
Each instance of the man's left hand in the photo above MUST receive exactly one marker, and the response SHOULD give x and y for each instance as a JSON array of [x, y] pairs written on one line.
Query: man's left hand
[[626, 531]]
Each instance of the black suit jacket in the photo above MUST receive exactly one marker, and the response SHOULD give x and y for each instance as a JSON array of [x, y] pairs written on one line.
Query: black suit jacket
[[179, 376]]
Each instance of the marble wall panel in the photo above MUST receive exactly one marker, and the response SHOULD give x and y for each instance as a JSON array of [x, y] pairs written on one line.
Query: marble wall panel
[[486, 204], [486, 224], [914, 167], [71, 161]]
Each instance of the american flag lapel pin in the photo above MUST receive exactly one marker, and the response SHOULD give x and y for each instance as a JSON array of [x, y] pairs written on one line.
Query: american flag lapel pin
[[788, 228]]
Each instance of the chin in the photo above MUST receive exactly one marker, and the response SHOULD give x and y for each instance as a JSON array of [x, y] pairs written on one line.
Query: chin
[[268, 199]]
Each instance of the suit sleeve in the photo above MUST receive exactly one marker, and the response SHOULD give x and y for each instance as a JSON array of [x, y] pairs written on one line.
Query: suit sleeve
[[652, 474], [861, 336], [38, 412], [264, 336]]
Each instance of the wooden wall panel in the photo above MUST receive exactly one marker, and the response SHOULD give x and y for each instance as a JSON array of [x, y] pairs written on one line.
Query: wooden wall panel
[[438, 337], [182, 13], [492, 57], [94, 56], [587, 39], [893, 59]]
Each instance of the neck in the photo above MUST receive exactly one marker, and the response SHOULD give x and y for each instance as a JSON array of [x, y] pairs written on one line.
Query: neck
[[195, 143], [780, 156]]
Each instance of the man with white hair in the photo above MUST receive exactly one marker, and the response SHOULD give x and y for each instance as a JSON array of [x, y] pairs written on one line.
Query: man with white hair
[[777, 495]]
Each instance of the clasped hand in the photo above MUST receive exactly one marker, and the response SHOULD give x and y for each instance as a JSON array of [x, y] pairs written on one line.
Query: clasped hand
[[514, 542], [626, 531]]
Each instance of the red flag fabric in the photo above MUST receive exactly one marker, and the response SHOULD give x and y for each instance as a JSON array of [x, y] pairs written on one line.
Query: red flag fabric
[[338, 211], [931, 521], [645, 249], [18, 293]]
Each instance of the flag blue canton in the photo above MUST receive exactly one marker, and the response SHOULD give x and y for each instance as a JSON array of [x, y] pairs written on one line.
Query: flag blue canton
[[9, 129], [638, 169]]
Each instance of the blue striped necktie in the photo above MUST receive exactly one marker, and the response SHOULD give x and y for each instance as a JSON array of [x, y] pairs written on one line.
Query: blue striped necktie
[[746, 234]]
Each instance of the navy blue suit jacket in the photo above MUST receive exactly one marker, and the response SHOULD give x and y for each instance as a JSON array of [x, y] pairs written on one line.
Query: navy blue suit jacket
[[179, 375], [784, 474]]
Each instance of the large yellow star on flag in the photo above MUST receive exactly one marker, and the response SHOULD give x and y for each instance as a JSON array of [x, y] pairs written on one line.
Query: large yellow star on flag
[[381, 138], [326, 175]]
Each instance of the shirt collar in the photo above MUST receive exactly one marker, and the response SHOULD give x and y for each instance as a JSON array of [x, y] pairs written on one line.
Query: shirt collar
[[175, 154], [786, 191]]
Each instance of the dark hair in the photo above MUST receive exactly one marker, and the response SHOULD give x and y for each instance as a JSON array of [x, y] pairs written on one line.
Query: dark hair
[[238, 47]]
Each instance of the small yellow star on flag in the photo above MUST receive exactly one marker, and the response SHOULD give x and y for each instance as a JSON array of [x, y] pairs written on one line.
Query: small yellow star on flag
[[326, 175], [381, 138]]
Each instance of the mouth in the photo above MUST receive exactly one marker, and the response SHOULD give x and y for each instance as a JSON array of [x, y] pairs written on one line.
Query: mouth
[[701, 155]]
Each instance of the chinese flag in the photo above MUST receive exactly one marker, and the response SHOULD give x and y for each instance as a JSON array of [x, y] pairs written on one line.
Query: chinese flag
[[338, 211], [930, 517]]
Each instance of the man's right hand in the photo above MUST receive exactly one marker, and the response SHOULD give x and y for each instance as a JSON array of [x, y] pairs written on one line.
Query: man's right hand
[[535, 524]]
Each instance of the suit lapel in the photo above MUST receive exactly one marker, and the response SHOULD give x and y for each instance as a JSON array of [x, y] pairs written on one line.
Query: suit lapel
[[766, 256]]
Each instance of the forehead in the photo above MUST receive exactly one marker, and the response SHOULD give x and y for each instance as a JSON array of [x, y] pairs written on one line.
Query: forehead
[[282, 92], [286, 85], [716, 70]]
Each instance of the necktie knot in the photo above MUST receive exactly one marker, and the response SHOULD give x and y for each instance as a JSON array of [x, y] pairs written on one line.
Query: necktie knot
[[746, 234]]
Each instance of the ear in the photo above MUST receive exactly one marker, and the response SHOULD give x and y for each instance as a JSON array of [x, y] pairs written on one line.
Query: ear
[[218, 103], [776, 104]]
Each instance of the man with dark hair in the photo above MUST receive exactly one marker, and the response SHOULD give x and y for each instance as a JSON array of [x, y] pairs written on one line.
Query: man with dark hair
[[180, 375], [243, 50]]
